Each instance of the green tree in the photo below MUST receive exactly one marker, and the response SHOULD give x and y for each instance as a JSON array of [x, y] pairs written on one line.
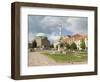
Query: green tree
[[56, 46], [73, 46], [34, 44], [82, 44], [67, 46], [51, 46]]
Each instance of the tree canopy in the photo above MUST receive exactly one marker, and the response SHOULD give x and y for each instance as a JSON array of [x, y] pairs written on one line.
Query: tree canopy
[[73, 46], [34, 44], [82, 44]]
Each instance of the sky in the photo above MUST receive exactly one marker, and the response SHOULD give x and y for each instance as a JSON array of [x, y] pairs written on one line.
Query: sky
[[50, 25]]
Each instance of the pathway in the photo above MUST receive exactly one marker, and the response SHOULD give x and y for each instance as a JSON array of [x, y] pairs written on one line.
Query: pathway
[[37, 59]]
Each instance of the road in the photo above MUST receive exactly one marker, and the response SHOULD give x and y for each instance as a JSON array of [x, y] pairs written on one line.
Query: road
[[37, 59]]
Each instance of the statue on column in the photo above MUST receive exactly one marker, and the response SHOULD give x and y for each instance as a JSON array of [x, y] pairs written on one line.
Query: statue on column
[[60, 45]]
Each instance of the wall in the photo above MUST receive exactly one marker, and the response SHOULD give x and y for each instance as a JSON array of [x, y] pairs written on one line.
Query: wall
[[5, 40]]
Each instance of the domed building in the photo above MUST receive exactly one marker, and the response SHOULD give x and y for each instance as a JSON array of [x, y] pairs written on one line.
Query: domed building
[[42, 41]]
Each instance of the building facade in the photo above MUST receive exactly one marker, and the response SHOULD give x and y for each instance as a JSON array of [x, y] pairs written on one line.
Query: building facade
[[42, 41], [77, 38]]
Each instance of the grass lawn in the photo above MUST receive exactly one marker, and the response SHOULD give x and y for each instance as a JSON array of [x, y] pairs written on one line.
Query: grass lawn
[[68, 57]]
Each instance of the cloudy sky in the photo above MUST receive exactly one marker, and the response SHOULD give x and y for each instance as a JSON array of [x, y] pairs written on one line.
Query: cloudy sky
[[50, 25]]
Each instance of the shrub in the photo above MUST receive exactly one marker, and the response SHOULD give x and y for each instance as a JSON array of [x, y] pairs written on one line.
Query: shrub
[[82, 44], [67, 46], [51, 46], [73, 46]]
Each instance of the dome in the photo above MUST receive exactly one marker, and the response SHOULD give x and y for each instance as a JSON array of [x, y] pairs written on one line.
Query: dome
[[41, 34]]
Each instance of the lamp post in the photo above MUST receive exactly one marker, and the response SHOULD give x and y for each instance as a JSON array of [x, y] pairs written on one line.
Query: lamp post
[[60, 30], [60, 40]]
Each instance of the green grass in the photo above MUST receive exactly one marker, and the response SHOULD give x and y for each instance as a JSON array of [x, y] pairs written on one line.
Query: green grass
[[68, 57]]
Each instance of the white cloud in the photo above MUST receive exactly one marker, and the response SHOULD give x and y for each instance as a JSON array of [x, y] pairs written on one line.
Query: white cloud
[[50, 21], [53, 37], [77, 25], [50, 26], [30, 37], [72, 24]]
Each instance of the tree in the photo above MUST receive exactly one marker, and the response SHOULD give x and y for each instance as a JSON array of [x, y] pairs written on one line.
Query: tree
[[61, 45], [73, 46], [51, 46], [56, 46], [67, 46], [82, 44], [34, 44]]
